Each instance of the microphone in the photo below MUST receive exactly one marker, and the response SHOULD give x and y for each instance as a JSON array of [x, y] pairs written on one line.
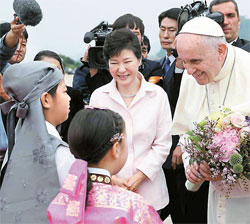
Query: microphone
[[28, 12], [88, 37]]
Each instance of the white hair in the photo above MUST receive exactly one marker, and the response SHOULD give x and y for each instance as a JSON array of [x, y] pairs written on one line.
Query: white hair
[[213, 42]]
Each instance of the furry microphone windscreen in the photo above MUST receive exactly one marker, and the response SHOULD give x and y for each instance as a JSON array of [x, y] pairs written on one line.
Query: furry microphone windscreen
[[28, 11]]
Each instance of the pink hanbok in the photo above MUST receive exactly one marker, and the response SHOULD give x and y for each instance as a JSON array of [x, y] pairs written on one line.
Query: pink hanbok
[[106, 203]]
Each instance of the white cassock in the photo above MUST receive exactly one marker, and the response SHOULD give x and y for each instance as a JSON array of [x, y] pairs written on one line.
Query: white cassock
[[231, 88]]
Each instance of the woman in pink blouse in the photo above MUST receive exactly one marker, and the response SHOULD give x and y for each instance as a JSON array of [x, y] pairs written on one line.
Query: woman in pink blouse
[[144, 107]]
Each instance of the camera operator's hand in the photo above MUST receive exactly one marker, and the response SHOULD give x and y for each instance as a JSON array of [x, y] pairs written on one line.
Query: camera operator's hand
[[15, 33], [86, 54], [92, 71]]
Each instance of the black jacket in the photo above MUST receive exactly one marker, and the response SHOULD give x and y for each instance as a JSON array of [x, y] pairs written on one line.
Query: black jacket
[[246, 47], [241, 43], [171, 84], [76, 104]]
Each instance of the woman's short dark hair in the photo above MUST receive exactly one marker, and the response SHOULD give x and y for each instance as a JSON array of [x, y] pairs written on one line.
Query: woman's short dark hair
[[91, 131], [119, 40], [50, 54]]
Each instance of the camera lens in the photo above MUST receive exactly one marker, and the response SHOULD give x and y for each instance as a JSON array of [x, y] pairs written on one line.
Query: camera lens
[[99, 57], [96, 58]]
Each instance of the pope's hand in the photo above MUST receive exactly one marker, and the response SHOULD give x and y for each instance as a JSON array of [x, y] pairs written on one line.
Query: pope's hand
[[206, 173], [193, 174]]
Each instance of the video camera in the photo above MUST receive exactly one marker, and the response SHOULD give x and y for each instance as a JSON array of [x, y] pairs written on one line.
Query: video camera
[[197, 8], [95, 55]]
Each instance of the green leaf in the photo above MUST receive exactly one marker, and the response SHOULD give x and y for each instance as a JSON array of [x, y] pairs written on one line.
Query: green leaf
[[195, 139], [191, 133], [202, 123], [198, 146], [191, 161]]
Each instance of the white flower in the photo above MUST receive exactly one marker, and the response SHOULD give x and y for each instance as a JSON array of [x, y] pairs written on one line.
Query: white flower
[[238, 120]]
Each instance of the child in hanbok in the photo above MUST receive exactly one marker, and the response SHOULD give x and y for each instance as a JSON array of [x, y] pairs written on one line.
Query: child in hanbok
[[76, 102], [32, 165], [97, 138]]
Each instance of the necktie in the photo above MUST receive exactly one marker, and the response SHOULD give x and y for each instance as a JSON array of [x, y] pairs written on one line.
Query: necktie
[[166, 66]]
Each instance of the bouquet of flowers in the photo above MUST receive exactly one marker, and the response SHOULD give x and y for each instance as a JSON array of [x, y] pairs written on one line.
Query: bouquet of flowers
[[223, 141]]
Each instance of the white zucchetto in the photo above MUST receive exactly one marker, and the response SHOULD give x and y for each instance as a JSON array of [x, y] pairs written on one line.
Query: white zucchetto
[[203, 26]]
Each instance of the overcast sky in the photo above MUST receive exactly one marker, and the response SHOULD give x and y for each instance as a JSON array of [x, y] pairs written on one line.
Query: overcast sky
[[65, 22]]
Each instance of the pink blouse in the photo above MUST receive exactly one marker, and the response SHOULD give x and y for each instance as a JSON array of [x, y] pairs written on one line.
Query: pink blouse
[[148, 124]]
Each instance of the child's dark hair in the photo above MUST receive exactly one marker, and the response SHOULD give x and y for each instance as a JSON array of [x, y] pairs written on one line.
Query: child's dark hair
[[50, 54], [52, 91], [119, 40], [92, 133]]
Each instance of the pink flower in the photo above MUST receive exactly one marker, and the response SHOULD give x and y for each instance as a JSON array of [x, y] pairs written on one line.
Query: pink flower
[[227, 141], [238, 120]]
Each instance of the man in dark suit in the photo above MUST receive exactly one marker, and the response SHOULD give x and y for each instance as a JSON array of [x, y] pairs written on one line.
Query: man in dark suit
[[231, 23], [172, 71], [173, 168], [183, 204]]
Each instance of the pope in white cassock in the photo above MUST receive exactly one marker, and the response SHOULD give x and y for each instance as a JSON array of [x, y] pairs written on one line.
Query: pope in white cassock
[[217, 74]]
